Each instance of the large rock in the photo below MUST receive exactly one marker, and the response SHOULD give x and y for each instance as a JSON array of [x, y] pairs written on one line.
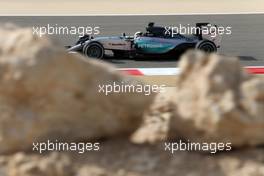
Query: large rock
[[217, 101], [214, 100], [46, 93]]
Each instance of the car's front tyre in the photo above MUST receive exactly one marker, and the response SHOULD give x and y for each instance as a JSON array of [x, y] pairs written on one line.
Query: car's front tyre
[[206, 46], [93, 50]]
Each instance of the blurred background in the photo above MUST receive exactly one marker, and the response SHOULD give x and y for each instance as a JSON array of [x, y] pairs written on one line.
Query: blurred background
[[81, 7]]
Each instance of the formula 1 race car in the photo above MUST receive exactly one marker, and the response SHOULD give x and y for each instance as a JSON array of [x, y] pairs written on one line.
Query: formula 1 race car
[[156, 41]]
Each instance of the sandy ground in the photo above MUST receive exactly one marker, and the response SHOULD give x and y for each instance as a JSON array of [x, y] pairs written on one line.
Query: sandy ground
[[119, 157], [86, 7]]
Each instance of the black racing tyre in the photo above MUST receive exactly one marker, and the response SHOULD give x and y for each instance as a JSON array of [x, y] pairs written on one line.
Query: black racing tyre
[[93, 50], [206, 46]]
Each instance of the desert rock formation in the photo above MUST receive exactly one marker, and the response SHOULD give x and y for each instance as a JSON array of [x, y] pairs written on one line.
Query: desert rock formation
[[46, 93]]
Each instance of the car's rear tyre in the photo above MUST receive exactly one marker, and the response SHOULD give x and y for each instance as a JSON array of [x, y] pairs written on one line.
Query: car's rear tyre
[[93, 50], [206, 46]]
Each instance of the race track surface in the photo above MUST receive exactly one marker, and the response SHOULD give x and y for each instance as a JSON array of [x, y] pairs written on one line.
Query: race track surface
[[246, 41]]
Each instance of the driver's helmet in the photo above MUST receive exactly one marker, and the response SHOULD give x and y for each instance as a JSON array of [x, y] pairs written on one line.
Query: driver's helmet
[[138, 34]]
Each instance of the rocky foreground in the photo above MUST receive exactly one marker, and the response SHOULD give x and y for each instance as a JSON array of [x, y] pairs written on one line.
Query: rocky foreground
[[47, 94]]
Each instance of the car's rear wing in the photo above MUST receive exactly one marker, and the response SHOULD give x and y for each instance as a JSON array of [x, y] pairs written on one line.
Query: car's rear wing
[[208, 31]]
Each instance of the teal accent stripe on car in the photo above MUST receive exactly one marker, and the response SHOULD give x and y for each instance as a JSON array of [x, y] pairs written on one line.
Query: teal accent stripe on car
[[150, 47]]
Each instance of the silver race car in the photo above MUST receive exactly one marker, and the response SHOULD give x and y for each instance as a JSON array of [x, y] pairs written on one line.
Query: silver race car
[[156, 41]]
